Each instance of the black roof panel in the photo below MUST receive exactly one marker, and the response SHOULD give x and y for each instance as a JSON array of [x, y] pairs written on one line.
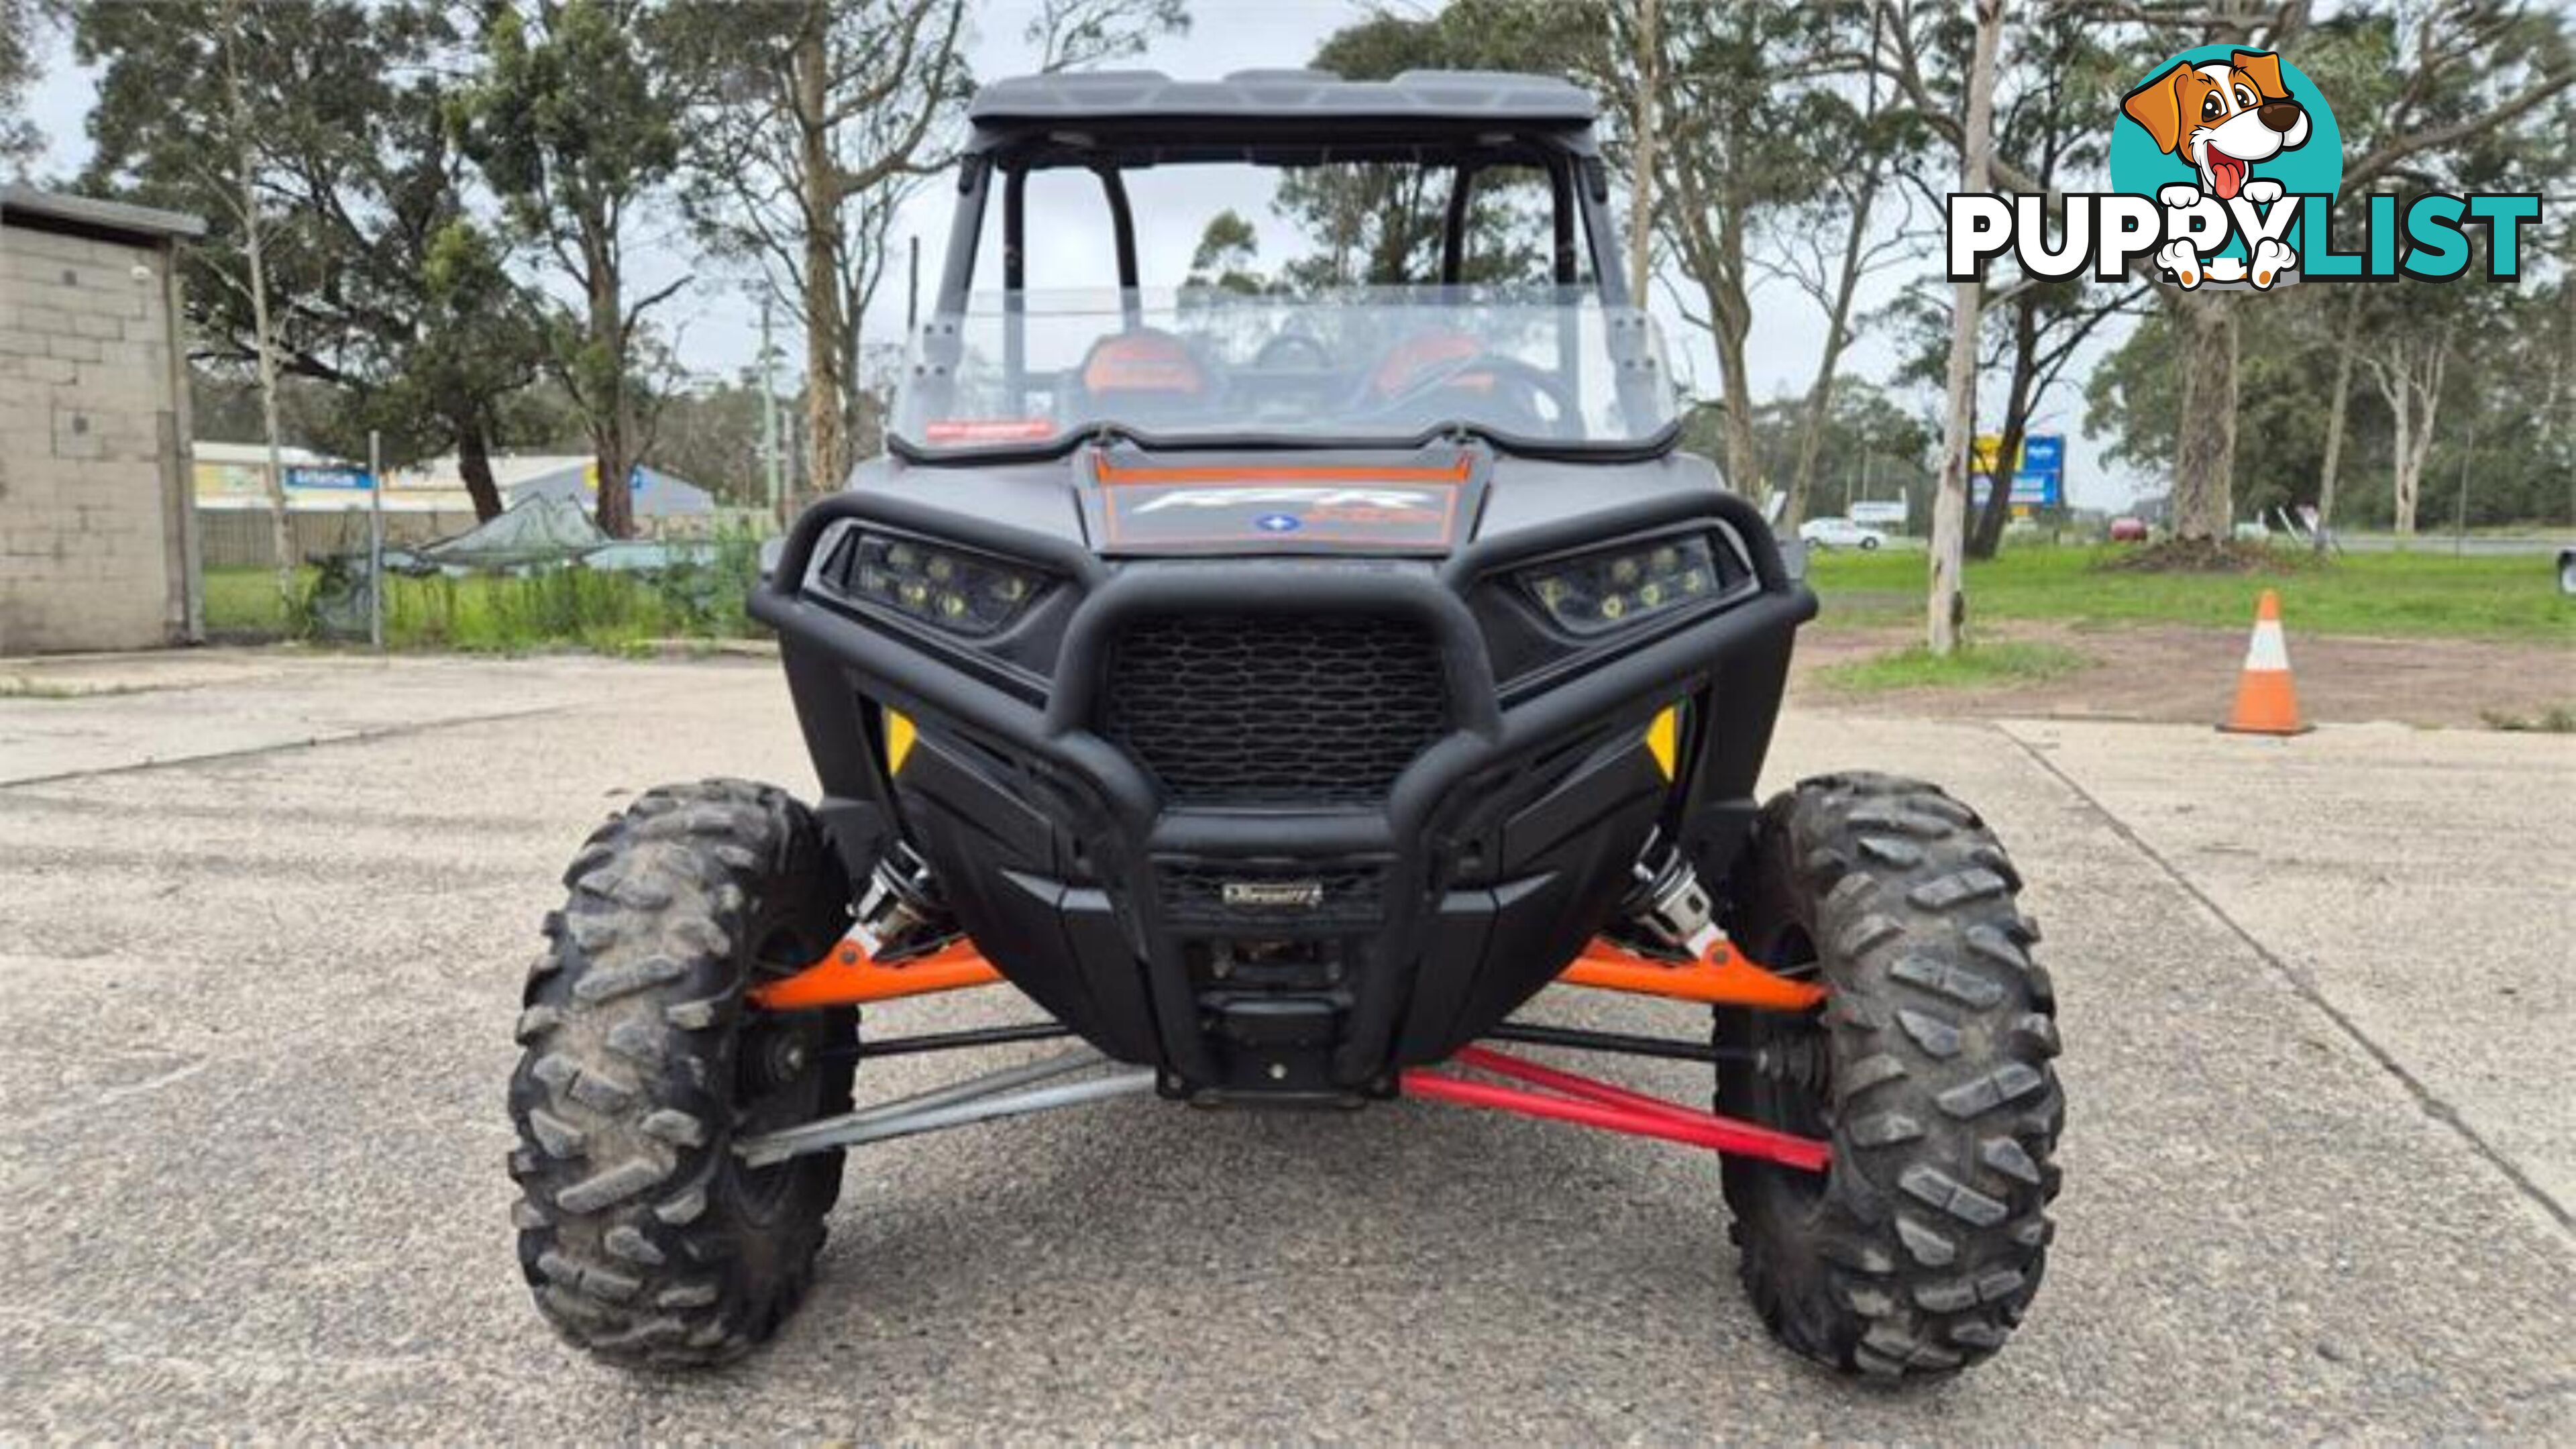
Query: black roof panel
[[1311, 97]]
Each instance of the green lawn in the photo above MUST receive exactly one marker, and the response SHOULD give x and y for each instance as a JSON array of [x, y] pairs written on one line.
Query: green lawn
[[2382, 594], [610, 613], [1992, 662], [243, 602]]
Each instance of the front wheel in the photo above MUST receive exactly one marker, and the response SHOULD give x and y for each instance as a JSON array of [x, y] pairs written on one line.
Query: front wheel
[[644, 1237], [1868, 544], [1927, 1069]]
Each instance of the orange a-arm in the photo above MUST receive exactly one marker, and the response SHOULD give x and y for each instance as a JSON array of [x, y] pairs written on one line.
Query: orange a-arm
[[850, 977]]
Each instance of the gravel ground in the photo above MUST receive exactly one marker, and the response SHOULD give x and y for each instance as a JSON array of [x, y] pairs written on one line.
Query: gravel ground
[[261, 937], [2178, 674]]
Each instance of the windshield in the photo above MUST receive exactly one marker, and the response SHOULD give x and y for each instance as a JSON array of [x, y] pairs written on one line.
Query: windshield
[[1537, 366]]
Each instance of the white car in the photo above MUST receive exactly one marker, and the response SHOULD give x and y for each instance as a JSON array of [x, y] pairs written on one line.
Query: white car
[[1839, 533]]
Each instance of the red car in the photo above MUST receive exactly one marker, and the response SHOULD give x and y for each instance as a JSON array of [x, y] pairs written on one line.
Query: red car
[[2128, 530]]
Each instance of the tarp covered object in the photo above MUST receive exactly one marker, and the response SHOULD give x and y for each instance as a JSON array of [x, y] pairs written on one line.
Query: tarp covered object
[[534, 530]]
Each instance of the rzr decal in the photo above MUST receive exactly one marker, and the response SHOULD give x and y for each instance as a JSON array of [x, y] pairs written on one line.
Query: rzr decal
[[1266, 506]]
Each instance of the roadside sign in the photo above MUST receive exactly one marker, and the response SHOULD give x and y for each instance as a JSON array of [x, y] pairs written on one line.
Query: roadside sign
[[354, 480], [2029, 490], [1882, 512], [2039, 474]]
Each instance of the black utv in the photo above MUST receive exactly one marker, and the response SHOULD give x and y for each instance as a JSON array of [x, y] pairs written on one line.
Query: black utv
[[1281, 682]]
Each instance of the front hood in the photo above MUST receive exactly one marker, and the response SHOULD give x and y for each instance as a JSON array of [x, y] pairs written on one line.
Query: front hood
[[1123, 501]]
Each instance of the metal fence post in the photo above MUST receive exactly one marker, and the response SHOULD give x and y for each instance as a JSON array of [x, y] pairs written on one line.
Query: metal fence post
[[376, 540]]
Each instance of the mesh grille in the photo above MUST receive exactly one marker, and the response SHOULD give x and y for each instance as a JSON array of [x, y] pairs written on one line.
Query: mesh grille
[[1293, 710]]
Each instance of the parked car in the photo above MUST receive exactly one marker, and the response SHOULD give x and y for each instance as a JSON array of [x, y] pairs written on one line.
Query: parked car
[[1839, 533], [2567, 571], [2128, 530]]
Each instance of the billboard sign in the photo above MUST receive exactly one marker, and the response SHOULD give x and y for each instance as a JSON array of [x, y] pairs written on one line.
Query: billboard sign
[[2039, 473]]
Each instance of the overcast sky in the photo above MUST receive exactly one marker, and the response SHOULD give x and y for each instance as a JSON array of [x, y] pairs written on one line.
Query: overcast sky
[[717, 318]]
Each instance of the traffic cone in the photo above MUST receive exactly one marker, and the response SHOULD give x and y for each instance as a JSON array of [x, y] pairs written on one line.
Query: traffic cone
[[2267, 703]]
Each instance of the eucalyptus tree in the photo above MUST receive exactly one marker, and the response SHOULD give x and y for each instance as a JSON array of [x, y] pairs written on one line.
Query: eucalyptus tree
[[575, 121]]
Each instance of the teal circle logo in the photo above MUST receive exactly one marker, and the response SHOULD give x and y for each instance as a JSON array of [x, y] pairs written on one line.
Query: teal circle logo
[[2217, 117]]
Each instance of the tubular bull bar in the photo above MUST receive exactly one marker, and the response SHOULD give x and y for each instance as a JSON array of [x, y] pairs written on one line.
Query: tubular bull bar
[[1720, 976]]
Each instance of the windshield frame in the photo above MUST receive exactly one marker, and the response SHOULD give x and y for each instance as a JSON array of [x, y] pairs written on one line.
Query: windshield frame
[[1579, 216]]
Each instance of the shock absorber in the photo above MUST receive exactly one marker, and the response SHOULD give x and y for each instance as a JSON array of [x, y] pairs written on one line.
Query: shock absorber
[[901, 914], [1669, 907]]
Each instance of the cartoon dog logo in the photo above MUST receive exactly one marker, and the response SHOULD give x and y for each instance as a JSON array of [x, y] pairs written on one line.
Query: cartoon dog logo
[[2220, 118]]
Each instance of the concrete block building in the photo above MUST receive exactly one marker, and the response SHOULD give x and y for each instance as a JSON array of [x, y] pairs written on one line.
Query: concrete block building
[[97, 519]]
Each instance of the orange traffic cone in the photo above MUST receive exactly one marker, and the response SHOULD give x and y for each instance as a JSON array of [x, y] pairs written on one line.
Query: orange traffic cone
[[2266, 701]]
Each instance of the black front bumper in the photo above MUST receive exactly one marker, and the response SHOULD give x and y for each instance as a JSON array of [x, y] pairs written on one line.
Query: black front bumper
[[1280, 951]]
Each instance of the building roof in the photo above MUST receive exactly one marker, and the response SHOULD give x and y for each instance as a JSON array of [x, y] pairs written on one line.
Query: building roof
[[1316, 97], [255, 455], [657, 494], [53, 210]]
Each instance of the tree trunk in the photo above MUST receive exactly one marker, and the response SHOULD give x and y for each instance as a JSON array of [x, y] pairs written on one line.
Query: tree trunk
[[827, 383], [1730, 315], [281, 529], [2344, 346], [612, 422], [1947, 605], [2205, 453], [1820, 393], [474, 462], [2413, 397], [281, 534], [1988, 537], [1650, 70], [2405, 482]]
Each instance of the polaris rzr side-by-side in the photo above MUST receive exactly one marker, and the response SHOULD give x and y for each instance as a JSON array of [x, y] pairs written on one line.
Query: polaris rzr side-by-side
[[1281, 684]]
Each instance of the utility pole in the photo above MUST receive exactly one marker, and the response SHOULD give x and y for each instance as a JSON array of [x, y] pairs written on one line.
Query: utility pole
[[376, 540], [769, 418], [1948, 602]]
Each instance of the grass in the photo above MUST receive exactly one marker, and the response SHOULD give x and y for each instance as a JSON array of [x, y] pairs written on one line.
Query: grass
[[243, 603], [2556, 720], [1976, 666], [556, 608], [18, 686], [2391, 595]]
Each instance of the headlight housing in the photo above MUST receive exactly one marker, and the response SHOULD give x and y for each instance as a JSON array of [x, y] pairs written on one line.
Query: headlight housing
[[1614, 588], [947, 588]]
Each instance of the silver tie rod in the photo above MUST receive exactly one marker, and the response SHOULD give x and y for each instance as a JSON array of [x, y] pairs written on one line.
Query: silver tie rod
[[1010, 1092]]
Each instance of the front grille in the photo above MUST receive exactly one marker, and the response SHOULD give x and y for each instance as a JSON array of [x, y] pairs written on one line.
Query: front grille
[[1193, 894], [1291, 710]]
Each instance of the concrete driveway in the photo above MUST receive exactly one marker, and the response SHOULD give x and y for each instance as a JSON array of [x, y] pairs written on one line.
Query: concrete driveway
[[261, 937]]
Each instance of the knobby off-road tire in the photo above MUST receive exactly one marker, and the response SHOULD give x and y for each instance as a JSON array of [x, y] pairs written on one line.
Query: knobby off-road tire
[[644, 1238], [1928, 1069]]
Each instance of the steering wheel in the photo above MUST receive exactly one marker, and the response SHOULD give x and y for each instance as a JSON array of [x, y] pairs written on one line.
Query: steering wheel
[[1274, 353], [1534, 383]]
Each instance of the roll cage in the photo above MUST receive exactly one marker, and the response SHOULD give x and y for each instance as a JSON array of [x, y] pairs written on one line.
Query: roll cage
[[1110, 123]]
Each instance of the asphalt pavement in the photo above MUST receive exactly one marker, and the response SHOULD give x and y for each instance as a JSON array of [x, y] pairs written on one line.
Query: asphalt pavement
[[263, 921]]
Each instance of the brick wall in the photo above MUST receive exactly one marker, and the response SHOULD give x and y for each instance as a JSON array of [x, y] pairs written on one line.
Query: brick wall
[[92, 552]]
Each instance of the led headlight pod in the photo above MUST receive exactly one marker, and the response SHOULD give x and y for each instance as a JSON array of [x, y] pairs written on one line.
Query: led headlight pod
[[948, 589], [1598, 592]]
